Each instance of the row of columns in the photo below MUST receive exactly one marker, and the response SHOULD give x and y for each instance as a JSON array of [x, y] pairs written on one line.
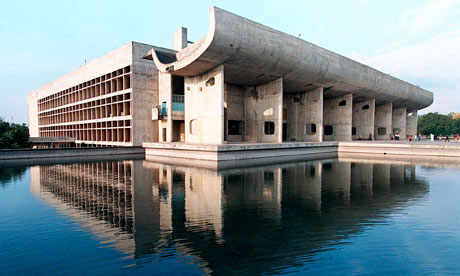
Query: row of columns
[[303, 117]]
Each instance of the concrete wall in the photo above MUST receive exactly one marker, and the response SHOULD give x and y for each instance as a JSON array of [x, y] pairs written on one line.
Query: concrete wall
[[145, 96], [383, 119], [339, 117], [234, 106], [363, 119], [399, 121], [264, 104], [204, 105], [306, 110], [411, 123]]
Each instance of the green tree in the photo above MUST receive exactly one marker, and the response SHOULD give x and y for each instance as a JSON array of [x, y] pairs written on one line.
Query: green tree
[[13, 136], [438, 124]]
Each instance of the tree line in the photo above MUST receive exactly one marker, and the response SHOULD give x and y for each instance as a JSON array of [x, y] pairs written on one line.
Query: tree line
[[13, 136], [438, 124]]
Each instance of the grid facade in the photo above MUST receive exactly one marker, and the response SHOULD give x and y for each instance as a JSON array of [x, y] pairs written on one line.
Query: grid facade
[[97, 112], [102, 190]]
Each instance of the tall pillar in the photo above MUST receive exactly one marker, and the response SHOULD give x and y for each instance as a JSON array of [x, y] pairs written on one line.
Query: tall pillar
[[399, 121], [363, 120], [264, 113], [411, 122], [305, 116], [165, 95], [204, 107], [383, 117], [337, 118]]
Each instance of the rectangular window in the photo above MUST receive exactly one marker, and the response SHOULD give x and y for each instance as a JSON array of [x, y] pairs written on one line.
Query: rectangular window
[[235, 127], [269, 128], [381, 131]]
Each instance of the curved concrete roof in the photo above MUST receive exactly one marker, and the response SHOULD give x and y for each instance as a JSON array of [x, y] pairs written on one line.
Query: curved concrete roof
[[254, 54]]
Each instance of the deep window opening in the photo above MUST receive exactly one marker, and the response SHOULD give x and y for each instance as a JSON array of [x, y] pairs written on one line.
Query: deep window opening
[[343, 103], [269, 128], [365, 107], [235, 127], [328, 130]]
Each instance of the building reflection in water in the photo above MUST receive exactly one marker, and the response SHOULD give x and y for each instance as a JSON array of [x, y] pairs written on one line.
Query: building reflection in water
[[230, 220]]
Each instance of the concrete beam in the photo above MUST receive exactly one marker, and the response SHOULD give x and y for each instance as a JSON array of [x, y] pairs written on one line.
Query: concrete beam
[[204, 106], [383, 120], [337, 113], [363, 119]]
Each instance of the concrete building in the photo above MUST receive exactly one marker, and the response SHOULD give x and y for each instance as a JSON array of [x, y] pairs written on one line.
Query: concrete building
[[241, 83]]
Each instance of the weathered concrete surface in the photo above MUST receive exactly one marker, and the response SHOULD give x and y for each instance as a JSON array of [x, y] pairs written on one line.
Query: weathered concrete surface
[[339, 117], [411, 123], [383, 119], [389, 148], [237, 151], [204, 105], [264, 104], [399, 121], [363, 119], [254, 54], [235, 109], [165, 95], [304, 114], [67, 152]]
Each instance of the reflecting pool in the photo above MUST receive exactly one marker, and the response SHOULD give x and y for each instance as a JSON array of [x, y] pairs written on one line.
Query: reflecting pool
[[325, 217]]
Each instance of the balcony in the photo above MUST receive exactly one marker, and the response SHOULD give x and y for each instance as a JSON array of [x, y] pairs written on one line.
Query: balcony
[[178, 103]]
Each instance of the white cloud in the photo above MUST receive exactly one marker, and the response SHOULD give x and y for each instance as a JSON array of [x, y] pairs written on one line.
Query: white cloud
[[434, 14], [425, 57], [434, 60]]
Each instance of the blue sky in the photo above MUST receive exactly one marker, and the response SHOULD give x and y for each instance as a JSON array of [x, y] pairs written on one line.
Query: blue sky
[[417, 41]]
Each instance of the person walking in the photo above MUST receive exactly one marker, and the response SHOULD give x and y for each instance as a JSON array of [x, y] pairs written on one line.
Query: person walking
[[410, 137], [447, 138]]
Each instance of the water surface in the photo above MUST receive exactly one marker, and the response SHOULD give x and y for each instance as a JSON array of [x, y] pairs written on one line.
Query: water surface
[[321, 217]]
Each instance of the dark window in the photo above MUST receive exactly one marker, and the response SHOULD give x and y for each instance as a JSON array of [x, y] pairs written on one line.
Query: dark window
[[353, 131], [365, 107], [269, 128], [381, 131], [235, 127], [328, 130], [296, 100], [343, 103], [312, 171], [327, 166], [211, 82], [310, 129]]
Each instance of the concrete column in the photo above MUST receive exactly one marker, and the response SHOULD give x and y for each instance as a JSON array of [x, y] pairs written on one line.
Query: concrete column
[[363, 119], [337, 113], [399, 121], [165, 95], [264, 106], [204, 107], [305, 116], [411, 122], [180, 39], [382, 125]]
